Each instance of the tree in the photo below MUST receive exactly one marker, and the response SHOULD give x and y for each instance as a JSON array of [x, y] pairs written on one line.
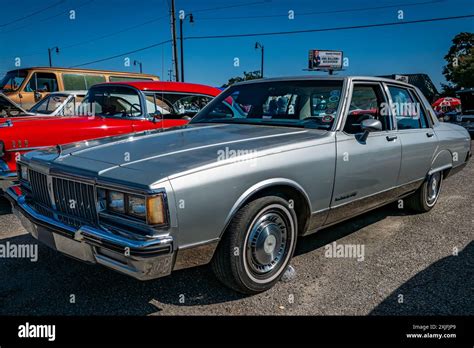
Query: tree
[[459, 70], [251, 75]]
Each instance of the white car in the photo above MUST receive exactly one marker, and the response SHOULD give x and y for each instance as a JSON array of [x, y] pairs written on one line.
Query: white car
[[54, 104]]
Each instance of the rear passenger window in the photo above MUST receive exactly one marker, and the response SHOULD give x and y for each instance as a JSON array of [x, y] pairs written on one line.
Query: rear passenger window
[[407, 109]]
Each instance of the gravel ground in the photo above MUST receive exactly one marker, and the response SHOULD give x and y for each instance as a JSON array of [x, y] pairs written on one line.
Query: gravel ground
[[410, 267]]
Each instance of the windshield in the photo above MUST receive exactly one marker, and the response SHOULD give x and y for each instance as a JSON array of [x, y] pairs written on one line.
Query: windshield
[[49, 104], [171, 105], [112, 101], [13, 80], [311, 104]]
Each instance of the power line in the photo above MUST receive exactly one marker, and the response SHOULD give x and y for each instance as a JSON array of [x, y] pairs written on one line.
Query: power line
[[325, 12], [113, 33], [32, 14], [122, 54], [281, 33], [231, 6], [47, 18], [328, 29]]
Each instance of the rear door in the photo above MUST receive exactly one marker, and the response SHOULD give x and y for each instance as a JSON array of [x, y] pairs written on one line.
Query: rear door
[[365, 171], [415, 132]]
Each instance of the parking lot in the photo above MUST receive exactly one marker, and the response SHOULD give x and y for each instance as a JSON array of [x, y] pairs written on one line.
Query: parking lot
[[413, 264]]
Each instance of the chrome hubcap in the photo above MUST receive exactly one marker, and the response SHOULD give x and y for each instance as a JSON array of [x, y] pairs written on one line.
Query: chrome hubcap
[[433, 188], [267, 242]]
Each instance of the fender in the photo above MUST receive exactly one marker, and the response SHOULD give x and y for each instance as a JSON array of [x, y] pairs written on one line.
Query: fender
[[442, 161], [259, 187]]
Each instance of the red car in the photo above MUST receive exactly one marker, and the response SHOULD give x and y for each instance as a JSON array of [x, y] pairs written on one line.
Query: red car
[[108, 109]]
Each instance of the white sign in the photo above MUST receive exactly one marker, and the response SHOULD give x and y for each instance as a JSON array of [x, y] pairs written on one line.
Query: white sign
[[325, 60], [402, 78]]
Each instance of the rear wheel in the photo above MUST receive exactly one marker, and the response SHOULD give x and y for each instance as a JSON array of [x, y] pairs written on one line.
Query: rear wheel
[[425, 198], [257, 246]]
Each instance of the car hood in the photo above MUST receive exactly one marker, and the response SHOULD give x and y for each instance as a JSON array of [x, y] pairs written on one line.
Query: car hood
[[151, 156]]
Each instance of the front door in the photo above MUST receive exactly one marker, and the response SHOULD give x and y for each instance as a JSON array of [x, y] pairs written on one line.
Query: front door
[[39, 85], [366, 172]]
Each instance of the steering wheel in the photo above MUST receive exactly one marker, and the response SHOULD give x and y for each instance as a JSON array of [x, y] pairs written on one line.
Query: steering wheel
[[132, 106]]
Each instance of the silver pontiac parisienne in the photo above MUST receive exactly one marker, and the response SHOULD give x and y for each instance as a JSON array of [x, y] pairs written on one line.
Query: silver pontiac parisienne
[[265, 162]]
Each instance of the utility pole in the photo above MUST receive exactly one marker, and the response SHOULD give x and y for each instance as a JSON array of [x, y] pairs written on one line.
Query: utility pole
[[136, 62], [181, 20], [56, 49], [173, 38], [257, 46]]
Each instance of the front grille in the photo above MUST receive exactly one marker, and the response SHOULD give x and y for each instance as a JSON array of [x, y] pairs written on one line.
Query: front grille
[[74, 202], [75, 199], [39, 188]]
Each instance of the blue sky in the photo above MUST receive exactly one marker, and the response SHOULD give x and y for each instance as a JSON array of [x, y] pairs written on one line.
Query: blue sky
[[412, 48]]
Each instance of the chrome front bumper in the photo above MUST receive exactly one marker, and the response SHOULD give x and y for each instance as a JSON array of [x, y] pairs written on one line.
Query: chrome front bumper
[[140, 258]]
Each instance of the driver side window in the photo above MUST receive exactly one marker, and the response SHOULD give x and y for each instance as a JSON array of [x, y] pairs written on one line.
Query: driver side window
[[366, 103], [42, 82]]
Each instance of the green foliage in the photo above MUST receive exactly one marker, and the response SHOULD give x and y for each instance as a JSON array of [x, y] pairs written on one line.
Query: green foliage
[[459, 70], [251, 75]]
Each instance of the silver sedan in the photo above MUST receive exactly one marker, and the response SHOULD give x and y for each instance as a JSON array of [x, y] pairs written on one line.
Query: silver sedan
[[265, 162]]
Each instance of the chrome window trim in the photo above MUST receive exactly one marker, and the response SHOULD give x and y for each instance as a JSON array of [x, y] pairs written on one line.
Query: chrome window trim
[[410, 90], [349, 100]]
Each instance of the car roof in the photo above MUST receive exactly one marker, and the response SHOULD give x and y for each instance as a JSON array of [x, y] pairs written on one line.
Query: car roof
[[323, 78], [183, 87], [47, 68], [466, 90]]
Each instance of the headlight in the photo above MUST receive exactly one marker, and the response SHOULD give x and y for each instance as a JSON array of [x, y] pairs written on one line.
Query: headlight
[[149, 209], [137, 206], [116, 202], [22, 172]]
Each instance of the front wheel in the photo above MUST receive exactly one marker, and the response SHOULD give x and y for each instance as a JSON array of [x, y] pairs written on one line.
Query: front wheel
[[425, 198], [257, 246]]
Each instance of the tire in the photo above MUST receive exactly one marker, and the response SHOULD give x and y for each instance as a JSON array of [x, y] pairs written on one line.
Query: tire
[[425, 198], [257, 246]]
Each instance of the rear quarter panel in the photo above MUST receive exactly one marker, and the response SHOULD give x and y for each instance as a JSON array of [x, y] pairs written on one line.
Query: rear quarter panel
[[453, 145]]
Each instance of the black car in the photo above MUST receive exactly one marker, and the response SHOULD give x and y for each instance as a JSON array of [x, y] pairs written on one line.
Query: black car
[[466, 117]]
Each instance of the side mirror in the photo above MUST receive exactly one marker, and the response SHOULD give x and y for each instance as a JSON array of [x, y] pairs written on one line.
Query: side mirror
[[37, 95], [155, 116], [367, 126]]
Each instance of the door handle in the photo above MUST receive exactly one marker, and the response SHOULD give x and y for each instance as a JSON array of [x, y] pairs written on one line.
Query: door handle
[[391, 137], [429, 134]]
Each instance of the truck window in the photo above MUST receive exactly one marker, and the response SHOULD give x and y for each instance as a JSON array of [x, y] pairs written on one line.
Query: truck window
[[78, 82], [42, 82]]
